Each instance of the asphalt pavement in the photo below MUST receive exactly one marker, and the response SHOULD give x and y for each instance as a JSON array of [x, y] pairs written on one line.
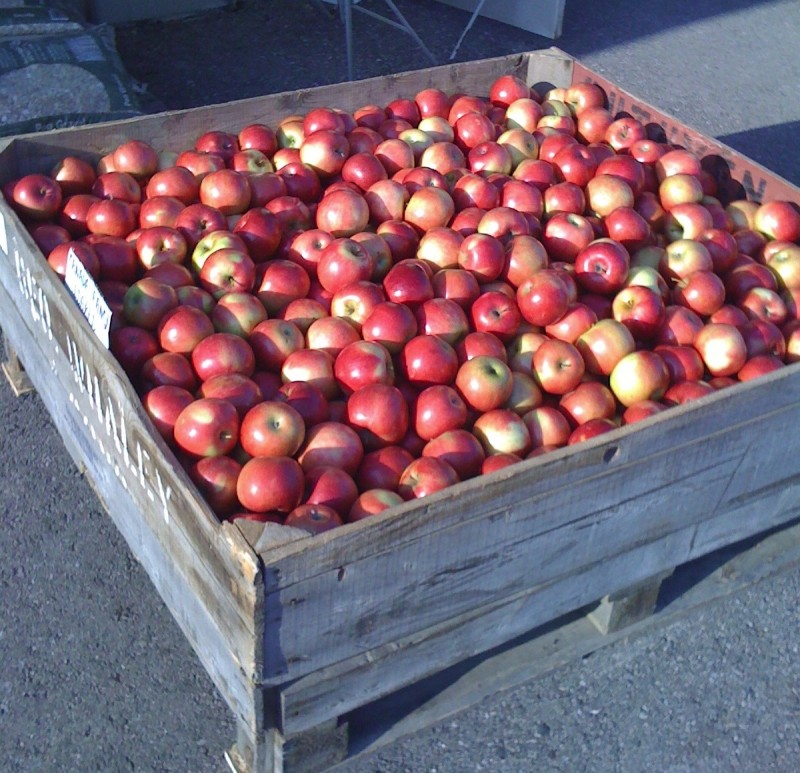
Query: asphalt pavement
[[94, 673]]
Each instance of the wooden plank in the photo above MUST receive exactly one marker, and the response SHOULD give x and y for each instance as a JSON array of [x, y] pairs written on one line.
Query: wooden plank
[[14, 371], [622, 608], [206, 572], [569, 638], [317, 749], [173, 129], [260, 752], [337, 689], [499, 536]]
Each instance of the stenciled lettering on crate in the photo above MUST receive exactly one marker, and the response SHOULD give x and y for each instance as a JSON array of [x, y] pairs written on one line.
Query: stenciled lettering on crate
[[101, 414]]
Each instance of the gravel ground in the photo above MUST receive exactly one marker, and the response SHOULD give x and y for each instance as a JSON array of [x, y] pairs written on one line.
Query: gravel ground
[[96, 675]]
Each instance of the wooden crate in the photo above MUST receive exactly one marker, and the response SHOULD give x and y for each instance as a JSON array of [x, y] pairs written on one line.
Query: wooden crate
[[298, 632]]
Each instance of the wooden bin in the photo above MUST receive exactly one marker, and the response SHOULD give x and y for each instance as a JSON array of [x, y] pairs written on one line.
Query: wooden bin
[[297, 632]]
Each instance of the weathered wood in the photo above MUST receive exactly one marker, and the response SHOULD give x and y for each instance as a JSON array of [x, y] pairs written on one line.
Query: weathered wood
[[630, 605], [569, 638], [338, 689], [298, 631], [14, 371], [311, 751], [495, 537], [335, 690], [316, 749], [204, 571], [174, 129], [259, 752]]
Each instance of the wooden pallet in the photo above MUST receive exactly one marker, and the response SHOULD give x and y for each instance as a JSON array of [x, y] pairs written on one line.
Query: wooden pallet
[[14, 372]]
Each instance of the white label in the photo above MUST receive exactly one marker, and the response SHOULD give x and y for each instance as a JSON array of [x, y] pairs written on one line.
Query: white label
[[3, 237], [88, 297]]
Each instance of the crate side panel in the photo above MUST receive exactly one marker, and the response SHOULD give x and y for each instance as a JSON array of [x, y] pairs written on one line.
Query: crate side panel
[[176, 130], [101, 391], [216, 647], [505, 540], [149, 502], [342, 687]]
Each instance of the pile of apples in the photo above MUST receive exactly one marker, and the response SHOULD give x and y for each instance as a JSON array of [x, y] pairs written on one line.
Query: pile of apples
[[330, 317]]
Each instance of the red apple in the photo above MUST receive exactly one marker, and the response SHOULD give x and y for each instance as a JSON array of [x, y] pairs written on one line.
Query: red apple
[[758, 366], [683, 362], [484, 382], [342, 213], [241, 391], [779, 220], [502, 431], [260, 231], [642, 410], [222, 353], [371, 502], [427, 360], [362, 363], [379, 413], [557, 366], [147, 301], [603, 345], [591, 429], [640, 309], [429, 207], [166, 368], [273, 340], [313, 366], [268, 484], [197, 220], [331, 444], [679, 189], [227, 270], [701, 291], [73, 175], [160, 211], [382, 468], [306, 399], [272, 428], [207, 427], [182, 328], [589, 400], [343, 262], [460, 449], [258, 136], [496, 312], [331, 335], [543, 298], [226, 190], [623, 132], [425, 476]]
